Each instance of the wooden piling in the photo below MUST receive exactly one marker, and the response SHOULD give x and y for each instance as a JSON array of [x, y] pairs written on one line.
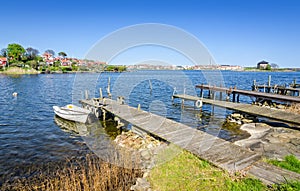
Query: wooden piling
[[108, 88], [139, 107], [254, 85], [86, 94], [100, 93], [150, 85]]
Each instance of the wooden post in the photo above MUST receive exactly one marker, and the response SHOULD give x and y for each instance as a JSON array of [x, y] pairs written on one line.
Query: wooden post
[[269, 81], [108, 88], [233, 97], [150, 85], [100, 92], [238, 98], [103, 114], [139, 107], [254, 85], [86, 94]]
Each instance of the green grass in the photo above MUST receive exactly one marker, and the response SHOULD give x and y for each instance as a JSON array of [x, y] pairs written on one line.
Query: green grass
[[290, 162], [185, 171], [292, 185]]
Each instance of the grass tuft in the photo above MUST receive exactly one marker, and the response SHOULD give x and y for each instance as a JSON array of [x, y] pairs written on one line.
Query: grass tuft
[[290, 162]]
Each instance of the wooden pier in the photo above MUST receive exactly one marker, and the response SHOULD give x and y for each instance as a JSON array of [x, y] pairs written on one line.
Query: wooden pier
[[237, 92], [291, 89], [249, 109], [219, 152]]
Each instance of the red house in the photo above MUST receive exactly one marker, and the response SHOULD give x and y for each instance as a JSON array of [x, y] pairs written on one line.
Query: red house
[[3, 61]]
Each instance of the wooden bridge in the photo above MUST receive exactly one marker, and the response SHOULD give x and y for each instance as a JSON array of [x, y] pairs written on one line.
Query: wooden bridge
[[219, 152]]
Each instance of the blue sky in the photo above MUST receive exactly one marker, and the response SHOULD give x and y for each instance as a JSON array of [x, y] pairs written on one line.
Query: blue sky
[[236, 32]]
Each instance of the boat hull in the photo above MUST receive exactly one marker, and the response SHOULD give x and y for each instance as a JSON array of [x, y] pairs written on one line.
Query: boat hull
[[72, 113]]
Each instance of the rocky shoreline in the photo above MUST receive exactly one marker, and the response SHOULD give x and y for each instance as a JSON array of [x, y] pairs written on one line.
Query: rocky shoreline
[[147, 147], [272, 142]]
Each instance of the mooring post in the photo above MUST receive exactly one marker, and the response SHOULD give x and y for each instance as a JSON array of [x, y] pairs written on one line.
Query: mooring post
[[108, 88], [100, 92], [233, 97], [269, 84], [86, 94], [174, 92], [150, 85], [103, 114], [254, 85], [139, 107], [221, 94]]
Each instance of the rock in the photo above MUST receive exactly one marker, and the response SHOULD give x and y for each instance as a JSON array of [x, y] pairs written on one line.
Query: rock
[[141, 185], [246, 121], [280, 106], [236, 115], [146, 154], [265, 103]]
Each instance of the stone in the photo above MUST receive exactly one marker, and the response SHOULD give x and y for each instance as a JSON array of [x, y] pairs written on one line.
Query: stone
[[235, 115], [146, 154], [280, 106], [247, 121]]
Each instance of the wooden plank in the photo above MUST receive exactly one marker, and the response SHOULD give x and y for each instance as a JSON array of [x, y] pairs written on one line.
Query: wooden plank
[[250, 109], [270, 174], [271, 96], [213, 149]]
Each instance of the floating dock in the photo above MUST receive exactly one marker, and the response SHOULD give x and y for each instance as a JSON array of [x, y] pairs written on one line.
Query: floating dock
[[219, 152]]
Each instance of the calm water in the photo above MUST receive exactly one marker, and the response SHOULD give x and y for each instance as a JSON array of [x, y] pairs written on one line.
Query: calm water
[[30, 136]]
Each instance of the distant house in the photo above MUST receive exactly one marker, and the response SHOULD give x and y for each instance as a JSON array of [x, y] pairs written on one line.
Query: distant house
[[262, 65], [3, 61], [48, 58], [66, 62]]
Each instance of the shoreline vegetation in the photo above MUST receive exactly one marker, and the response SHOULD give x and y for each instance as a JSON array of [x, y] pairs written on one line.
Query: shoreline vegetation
[[15, 70], [181, 171], [14, 55]]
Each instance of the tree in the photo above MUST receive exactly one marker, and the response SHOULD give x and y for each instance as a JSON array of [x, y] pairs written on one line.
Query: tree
[[15, 52], [31, 53], [50, 52], [62, 54], [268, 67], [274, 66], [3, 52]]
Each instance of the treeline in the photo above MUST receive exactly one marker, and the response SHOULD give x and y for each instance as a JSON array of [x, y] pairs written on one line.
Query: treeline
[[115, 68]]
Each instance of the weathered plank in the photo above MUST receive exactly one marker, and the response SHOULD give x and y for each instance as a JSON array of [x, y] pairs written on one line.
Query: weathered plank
[[271, 174], [270, 96], [250, 109], [217, 151]]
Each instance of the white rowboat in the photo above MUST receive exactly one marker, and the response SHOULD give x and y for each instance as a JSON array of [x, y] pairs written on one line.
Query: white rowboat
[[72, 113]]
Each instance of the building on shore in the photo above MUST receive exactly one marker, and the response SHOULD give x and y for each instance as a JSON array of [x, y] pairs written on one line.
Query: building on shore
[[3, 62], [262, 65]]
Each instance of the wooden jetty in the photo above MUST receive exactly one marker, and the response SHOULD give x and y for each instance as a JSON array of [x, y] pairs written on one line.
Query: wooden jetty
[[247, 108], [237, 92], [219, 152], [291, 89]]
